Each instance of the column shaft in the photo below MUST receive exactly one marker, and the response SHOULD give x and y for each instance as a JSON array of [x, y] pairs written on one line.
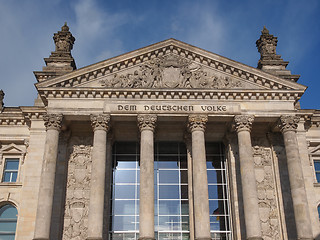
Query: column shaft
[[98, 170], [200, 181], [146, 212], [248, 179], [108, 183], [45, 201], [298, 191]]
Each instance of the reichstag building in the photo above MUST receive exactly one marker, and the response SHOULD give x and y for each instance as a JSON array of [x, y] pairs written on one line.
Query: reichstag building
[[167, 142]]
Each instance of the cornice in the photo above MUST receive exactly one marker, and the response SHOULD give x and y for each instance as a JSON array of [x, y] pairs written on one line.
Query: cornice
[[190, 52], [21, 115], [240, 94]]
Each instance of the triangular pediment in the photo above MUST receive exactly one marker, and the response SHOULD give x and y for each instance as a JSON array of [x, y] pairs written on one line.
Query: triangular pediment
[[170, 64]]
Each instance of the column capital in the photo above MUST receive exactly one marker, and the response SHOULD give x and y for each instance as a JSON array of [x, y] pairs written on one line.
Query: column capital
[[147, 121], [288, 123], [100, 122], [197, 122], [53, 121], [243, 122]]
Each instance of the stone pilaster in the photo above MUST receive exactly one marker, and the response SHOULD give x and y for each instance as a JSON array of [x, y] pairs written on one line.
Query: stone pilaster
[[52, 123], [100, 125], [243, 124], [197, 125], [146, 125], [288, 126]]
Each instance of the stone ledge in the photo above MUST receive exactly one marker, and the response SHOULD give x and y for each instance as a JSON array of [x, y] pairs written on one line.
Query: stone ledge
[[11, 185]]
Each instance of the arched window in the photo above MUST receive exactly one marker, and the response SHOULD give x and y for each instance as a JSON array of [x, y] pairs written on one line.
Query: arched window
[[319, 211], [8, 222]]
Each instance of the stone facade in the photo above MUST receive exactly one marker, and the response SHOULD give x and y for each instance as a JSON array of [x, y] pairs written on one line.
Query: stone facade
[[169, 91]]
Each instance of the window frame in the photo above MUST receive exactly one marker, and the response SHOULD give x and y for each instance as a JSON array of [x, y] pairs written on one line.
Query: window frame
[[11, 171], [12, 151]]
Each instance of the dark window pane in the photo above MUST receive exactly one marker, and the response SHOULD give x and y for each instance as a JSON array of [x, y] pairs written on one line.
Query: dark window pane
[[185, 223], [14, 177], [12, 164], [169, 176], [212, 176], [318, 177], [124, 207], [217, 207], [125, 191], [213, 191], [169, 191], [123, 223], [169, 207], [170, 223], [184, 176], [125, 176], [184, 207], [7, 177], [184, 191], [317, 165]]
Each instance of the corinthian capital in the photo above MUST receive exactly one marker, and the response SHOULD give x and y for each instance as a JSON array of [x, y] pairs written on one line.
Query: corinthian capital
[[243, 122], [53, 121], [147, 121], [100, 122], [197, 122], [288, 123]]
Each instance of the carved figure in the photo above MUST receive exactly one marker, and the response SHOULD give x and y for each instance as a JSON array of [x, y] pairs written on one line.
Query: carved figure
[[170, 71]]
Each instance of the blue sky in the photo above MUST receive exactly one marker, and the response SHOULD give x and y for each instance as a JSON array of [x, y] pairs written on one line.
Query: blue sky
[[108, 28]]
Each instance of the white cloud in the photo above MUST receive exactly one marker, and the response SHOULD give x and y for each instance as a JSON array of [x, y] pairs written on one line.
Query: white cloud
[[95, 32]]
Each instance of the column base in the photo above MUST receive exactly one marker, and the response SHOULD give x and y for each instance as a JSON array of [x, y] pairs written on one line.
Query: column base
[[147, 238], [94, 238], [40, 239], [305, 238], [209, 238], [255, 238]]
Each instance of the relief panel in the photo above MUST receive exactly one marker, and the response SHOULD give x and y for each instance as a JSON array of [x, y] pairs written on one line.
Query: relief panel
[[267, 193], [77, 193]]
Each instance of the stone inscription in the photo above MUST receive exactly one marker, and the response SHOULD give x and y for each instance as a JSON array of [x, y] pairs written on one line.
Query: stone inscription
[[172, 108]]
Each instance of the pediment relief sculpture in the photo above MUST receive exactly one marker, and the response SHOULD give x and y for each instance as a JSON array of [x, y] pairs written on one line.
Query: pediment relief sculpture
[[170, 71]]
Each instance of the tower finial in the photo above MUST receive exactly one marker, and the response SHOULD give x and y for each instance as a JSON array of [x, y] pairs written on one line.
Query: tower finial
[[60, 61], [1, 100], [269, 60]]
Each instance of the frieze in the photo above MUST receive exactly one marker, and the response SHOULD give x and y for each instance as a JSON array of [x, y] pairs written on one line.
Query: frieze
[[172, 108], [170, 71]]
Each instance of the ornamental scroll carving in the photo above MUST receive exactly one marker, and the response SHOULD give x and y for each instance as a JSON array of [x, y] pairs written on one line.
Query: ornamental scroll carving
[[170, 71], [289, 123], [53, 121], [267, 196], [77, 194], [197, 122], [147, 121], [243, 122]]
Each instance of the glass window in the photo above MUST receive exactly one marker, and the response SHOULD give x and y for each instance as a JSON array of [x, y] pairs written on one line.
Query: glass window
[[218, 195], [317, 169], [8, 222], [10, 172]]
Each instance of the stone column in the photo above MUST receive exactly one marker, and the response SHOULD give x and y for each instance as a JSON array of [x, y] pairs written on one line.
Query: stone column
[[187, 139], [243, 126], [52, 123], [196, 126], [146, 125], [288, 125], [100, 125]]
